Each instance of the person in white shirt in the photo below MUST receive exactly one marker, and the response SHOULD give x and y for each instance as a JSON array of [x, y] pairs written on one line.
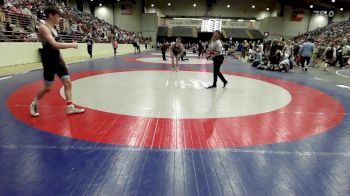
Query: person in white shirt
[[285, 65], [287, 49], [346, 53], [330, 55], [215, 50]]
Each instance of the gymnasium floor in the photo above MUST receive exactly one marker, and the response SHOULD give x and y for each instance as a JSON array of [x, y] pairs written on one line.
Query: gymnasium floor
[[150, 131]]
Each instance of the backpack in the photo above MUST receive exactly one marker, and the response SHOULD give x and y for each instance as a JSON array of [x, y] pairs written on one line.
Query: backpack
[[329, 53]]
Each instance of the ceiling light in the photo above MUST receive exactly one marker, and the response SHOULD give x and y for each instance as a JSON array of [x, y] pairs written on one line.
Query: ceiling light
[[228, 6], [194, 5], [253, 6], [333, 1], [100, 4], [152, 5], [341, 9], [169, 4], [311, 6], [267, 9]]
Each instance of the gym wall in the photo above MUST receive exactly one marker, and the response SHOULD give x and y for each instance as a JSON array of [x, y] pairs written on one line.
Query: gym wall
[[29, 52]]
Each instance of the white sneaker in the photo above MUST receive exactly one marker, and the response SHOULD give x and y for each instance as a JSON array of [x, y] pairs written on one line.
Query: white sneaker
[[34, 109], [72, 110], [177, 69]]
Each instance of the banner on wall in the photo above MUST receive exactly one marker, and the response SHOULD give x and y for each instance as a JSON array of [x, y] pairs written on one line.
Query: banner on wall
[[126, 9], [234, 24], [297, 16], [198, 23]]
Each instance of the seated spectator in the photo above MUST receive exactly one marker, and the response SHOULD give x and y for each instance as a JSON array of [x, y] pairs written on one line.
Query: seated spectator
[[2, 15], [9, 27], [33, 37], [258, 58], [3, 37], [251, 55], [14, 9], [26, 11]]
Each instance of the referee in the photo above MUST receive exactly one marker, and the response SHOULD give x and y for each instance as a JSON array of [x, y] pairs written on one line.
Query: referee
[[215, 51]]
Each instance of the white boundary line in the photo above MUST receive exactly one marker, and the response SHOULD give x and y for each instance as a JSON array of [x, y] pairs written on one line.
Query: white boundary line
[[338, 73], [5, 77]]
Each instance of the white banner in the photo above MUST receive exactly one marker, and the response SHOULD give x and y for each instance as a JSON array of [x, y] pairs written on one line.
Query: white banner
[[237, 24], [197, 23], [191, 23]]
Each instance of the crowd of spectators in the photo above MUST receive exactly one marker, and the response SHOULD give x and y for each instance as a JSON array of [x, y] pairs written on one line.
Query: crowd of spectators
[[331, 48], [24, 16]]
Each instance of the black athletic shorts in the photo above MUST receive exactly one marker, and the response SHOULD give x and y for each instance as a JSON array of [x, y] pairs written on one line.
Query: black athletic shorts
[[52, 65], [175, 52]]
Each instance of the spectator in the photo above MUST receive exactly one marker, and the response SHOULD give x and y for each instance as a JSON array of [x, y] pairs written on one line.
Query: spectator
[[288, 49], [258, 58], [275, 53], [115, 46], [306, 51], [339, 53], [14, 9], [2, 15], [90, 42], [164, 47], [9, 27], [330, 56], [346, 53]]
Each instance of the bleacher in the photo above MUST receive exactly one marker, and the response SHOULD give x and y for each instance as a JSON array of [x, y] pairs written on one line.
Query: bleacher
[[182, 32], [25, 25], [244, 33], [256, 34], [162, 31], [22, 24], [20, 20], [237, 33]]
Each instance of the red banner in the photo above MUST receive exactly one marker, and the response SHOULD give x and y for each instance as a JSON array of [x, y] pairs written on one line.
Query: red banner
[[297, 16]]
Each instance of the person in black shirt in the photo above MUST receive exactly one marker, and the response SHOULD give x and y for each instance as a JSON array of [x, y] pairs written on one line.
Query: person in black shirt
[[200, 49], [296, 48], [340, 55], [275, 53], [164, 47], [176, 51], [90, 42], [53, 62]]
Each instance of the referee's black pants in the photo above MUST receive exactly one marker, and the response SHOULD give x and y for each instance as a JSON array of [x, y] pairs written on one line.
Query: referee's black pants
[[218, 60]]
